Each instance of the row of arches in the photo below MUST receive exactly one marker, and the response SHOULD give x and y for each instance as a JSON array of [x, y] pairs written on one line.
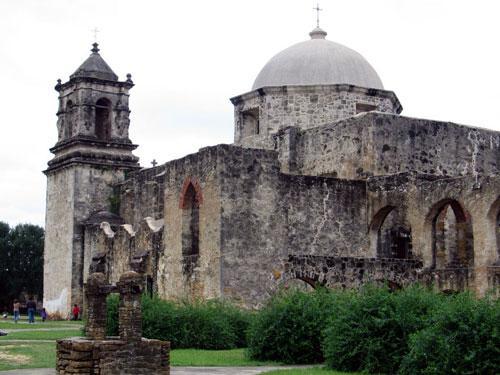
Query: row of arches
[[450, 229]]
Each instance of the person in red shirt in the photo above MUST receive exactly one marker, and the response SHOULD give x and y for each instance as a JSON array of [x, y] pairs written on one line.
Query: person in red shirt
[[76, 312]]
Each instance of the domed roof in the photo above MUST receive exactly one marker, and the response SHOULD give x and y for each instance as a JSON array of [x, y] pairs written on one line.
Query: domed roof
[[318, 62]]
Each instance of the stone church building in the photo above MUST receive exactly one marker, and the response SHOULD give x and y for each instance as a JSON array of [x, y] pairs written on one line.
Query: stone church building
[[325, 183]]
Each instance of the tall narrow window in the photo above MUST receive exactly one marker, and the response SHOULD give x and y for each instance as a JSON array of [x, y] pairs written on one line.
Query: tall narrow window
[[103, 119], [190, 229], [68, 128]]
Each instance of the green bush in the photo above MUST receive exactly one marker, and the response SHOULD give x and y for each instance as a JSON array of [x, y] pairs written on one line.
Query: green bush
[[288, 329], [202, 325], [112, 315], [463, 338], [370, 332]]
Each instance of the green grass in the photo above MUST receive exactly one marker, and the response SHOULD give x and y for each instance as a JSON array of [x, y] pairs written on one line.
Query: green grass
[[198, 357], [29, 355], [308, 371], [23, 324], [43, 355], [41, 335]]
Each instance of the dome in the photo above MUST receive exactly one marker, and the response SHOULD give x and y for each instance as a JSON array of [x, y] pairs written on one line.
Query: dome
[[318, 62]]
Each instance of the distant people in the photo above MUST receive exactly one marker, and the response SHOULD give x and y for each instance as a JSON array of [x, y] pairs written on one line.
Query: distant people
[[76, 312], [43, 314], [31, 306], [16, 307]]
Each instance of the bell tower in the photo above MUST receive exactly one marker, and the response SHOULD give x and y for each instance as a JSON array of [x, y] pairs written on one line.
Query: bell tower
[[92, 154]]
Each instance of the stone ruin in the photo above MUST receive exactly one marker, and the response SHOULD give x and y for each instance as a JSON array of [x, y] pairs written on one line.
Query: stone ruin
[[129, 353]]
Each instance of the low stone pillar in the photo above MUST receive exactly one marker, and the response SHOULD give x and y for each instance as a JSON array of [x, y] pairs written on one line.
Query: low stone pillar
[[96, 302], [130, 288]]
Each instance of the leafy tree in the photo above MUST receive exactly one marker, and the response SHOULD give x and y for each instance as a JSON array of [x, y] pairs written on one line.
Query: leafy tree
[[21, 262]]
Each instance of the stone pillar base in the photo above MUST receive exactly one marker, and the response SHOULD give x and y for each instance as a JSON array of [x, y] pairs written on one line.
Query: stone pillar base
[[112, 356]]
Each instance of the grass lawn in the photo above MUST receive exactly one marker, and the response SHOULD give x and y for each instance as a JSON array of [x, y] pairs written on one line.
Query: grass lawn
[[41, 335], [308, 371], [43, 355], [198, 357], [23, 324], [29, 355]]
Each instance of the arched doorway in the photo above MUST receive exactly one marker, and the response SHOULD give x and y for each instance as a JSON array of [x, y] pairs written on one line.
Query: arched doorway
[[390, 236], [452, 239]]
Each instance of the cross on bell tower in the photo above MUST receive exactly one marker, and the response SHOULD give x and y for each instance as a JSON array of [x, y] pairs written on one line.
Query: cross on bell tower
[[95, 31]]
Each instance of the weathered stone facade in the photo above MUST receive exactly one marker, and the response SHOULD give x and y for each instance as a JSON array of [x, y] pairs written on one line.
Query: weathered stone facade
[[263, 112], [323, 173]]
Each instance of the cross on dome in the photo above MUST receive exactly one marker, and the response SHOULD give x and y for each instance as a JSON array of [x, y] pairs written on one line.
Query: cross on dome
[[317, 9]]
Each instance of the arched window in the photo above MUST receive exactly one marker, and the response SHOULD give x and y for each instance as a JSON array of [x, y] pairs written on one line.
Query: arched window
[[103, 119], [190, 228], [389, 236], [452, 242]]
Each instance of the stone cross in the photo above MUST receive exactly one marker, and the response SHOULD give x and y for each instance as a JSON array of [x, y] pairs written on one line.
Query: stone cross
[[317, 9], [154, 162], [95, 31]]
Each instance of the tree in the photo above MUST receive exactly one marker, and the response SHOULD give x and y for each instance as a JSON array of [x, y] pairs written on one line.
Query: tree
[[21, 261]]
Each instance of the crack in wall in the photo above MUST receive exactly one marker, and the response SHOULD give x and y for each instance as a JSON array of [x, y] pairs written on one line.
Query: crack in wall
[[323, 219]]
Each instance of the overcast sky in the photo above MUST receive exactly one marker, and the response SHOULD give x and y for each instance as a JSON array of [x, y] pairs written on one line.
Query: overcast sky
[[187, 58]]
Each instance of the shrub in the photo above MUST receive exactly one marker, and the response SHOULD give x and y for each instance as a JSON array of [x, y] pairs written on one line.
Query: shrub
[[463, 338], [370, 332], [203, 325], [112, 315], [288, 328]]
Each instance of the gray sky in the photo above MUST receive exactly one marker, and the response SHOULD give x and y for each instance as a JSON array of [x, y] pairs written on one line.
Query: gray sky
[[187, 58]]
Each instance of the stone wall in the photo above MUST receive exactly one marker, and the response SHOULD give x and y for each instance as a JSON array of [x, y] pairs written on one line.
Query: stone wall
[[112, 357], [73, 194], [324, 216], [267, 215], [197, 275], [350, 272], [369, 144], [420, 199], [304, 107], [141, 195]]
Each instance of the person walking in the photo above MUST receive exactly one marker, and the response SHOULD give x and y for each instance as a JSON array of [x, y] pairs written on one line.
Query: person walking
[[43, 314], [16, 306], [31, 306], [76, 312]]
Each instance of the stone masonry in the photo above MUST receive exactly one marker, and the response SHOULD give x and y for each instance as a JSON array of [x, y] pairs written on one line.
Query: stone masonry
[[129, 353], [325, 183]]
